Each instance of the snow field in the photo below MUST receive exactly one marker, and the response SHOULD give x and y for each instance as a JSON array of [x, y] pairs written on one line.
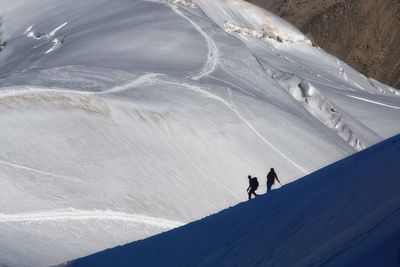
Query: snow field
[[151, 108]]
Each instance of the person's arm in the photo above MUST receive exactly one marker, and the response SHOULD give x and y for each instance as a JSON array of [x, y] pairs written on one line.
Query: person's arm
[[276, 176]]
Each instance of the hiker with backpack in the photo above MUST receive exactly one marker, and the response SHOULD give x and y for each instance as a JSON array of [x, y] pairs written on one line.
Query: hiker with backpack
[[271, 176], [253, 185]]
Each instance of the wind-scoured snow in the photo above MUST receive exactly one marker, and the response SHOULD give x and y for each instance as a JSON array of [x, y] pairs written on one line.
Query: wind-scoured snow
[[43, 98], [328, 218], [153, 108]]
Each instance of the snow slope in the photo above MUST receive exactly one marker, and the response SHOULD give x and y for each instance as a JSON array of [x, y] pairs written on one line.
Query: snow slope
[[346, 214], [160, 110]]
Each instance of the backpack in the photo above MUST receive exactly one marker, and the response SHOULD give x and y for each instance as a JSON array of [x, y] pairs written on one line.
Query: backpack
[[255, 182]]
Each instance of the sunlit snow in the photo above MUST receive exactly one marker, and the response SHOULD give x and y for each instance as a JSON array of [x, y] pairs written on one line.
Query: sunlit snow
[[155, 109]]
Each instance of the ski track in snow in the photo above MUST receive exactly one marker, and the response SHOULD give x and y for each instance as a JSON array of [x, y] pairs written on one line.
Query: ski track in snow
[[213, 53], [240, 79], [374, 102], [358, 86], [231, 84], [304, 68], [145, 79], [25, 168], [76, 215], [258, 134]]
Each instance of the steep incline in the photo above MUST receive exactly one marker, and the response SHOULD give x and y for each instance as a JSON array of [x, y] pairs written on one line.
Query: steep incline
[[347, 214]]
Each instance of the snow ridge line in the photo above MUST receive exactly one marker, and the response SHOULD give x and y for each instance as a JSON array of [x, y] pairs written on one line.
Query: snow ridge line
[[234, 109], [77, 215], [213, 53]]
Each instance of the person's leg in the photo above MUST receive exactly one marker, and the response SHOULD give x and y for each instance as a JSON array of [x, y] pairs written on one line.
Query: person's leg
[[249, 192], [269, 186]]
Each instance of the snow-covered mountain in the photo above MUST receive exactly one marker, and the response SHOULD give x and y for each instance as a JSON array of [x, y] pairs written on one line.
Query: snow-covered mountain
[[346, 214], [121, 119]]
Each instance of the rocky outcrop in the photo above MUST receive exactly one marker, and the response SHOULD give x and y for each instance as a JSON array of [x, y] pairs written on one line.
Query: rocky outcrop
[[363, 33], [2, 45], [2, 42]]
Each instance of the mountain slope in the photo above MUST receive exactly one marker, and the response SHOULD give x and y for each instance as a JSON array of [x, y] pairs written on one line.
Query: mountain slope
[[346, 214], [122, 119], [363, 33]]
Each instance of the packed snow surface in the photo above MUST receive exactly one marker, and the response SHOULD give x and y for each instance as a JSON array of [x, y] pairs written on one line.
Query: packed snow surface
[[347, 214], [155, 112]]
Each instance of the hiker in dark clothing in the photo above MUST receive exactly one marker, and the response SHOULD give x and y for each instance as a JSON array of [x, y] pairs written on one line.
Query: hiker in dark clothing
[[271, 176], [253, 185]]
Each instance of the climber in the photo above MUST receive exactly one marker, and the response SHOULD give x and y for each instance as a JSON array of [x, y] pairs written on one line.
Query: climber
[[253, 185], [271, 176]]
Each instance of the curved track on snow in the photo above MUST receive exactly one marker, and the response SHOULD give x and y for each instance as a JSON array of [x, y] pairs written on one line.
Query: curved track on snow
[[144, 79], [213, 53], [208, 94], [75, 215]]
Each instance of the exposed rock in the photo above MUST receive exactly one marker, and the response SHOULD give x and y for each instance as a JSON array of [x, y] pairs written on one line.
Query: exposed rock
[[2, 45], [189, 3], [266, 32], [2, 42], [363, 33]]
